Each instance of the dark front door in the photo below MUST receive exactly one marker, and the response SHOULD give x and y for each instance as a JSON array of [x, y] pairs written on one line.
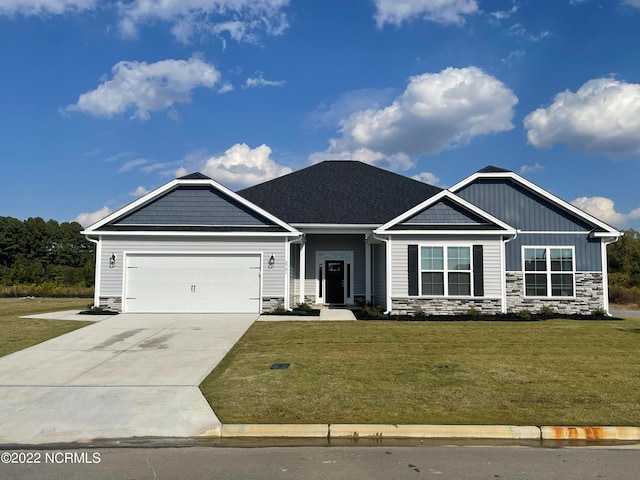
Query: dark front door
[[335, 281]]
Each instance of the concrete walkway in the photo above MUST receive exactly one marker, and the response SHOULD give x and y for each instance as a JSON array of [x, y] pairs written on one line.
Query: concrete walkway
[[131, 375], [326, 314]]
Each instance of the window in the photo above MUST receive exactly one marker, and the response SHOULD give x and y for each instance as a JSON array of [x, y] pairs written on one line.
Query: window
[[548, 272], [452, 264]]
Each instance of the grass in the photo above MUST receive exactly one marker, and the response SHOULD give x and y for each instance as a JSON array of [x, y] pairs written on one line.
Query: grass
[[20, 333], [556, 372]]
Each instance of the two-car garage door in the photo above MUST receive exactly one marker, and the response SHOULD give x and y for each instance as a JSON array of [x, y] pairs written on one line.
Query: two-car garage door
[[175, 283]]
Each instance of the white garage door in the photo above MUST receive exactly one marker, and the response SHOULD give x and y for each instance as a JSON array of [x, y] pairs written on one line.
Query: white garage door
[[192, 283]]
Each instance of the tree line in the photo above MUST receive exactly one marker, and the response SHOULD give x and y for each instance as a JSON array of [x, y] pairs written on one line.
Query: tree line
[[35, 252], [624, 269]]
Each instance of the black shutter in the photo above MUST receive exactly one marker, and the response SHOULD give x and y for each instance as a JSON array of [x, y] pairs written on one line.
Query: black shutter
[[478, 271], [412, 268]]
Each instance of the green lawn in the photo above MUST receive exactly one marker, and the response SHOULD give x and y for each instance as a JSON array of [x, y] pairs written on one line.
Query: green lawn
[[556, 372], [20, 333]]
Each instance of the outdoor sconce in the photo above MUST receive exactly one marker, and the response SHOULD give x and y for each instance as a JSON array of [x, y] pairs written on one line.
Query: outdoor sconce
[[112, 260], [272, 261]]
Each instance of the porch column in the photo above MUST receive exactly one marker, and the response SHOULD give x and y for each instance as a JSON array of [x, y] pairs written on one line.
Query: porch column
[[367, 271], [303, 267]]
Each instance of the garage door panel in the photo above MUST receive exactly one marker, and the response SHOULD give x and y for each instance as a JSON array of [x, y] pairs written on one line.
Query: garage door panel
[[193, 283]]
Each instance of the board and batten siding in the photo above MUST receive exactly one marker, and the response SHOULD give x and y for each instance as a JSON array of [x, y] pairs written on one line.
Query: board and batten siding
[[491, 261], [588, 250], [273, 279]]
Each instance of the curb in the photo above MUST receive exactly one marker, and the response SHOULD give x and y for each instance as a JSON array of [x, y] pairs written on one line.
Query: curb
[[494, 432]]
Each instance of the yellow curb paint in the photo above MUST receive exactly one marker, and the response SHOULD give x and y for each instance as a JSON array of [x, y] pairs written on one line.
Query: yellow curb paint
[[590, 433]]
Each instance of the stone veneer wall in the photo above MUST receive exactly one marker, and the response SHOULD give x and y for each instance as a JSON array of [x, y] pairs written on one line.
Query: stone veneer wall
[[111, 303], [444, 306], [589, 296], [271, 303]]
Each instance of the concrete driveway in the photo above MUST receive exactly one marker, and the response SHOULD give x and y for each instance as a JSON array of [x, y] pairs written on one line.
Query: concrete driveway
[[130, 375]]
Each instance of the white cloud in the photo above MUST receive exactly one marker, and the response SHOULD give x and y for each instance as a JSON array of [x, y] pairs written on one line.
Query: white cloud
[[518, 30], [632, 3], [426, 177], [241, 166], [502, 14], [437, 111], [44, 7], [86, 219], [602, 117], [146, 87], [260, 81], [226, 87], [139, 192], [439, 11], [132, 164], [397, 161], [513, 56], [330, 115], [241, 20], [531, 168], [604, 209]]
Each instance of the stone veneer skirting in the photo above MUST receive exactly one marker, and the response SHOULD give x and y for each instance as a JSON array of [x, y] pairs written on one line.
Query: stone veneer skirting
[[271, 303], [589, 296], [111, 303], [444, 306]]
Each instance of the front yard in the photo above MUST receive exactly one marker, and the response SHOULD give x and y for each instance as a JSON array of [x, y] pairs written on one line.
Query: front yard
[[20, 333], [556, 372]]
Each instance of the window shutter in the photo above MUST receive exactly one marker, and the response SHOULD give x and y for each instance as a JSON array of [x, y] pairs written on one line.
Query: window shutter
[[412, 268], [478, 271]]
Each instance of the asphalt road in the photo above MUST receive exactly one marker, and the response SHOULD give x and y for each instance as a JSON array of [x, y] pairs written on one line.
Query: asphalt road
[[325, 463]]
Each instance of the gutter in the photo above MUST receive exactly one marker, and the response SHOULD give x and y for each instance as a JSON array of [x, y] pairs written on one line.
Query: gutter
[[503, 273], [299, 240], [98, 272], [605, 271]]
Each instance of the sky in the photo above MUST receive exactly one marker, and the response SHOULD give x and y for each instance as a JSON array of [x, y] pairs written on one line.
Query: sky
[[104, 101]]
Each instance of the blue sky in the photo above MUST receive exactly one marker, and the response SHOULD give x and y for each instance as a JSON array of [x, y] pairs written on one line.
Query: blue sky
[[103, 101]]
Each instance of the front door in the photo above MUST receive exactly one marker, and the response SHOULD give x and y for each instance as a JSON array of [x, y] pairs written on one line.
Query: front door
[[335, 281]]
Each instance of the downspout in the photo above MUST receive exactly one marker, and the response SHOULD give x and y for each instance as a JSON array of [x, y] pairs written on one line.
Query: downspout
[[605, 273], [387, 242], [98, 272], [503, 273], [300, 240]]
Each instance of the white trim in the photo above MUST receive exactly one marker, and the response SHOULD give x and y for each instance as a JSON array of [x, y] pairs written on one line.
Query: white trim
[[141, 233], [175, 184], [434, 233], [127, 254], [555, 232], [605, 272], [303, 271], [548, 272], [611, 232], [435, 199], [287, 279], [98, 273]]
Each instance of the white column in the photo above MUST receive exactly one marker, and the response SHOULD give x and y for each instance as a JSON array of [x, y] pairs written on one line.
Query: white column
[[303, 268], [367, 271]]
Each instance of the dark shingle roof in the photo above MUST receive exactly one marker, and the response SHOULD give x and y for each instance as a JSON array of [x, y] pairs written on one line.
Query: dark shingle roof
[[492, 169], [339, 192], [195, 176]]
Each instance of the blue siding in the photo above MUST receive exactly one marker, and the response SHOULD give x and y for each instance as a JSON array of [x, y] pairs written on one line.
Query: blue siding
[[444, 212], [588, 253], [194, 206], [519, 207]]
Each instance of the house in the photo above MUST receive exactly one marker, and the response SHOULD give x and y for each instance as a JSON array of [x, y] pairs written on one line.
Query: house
[[344, 232]]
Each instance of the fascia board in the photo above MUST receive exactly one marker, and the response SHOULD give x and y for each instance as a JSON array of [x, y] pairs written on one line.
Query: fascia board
[[432, 233], [435, 199], [142, 233], [543, 193]]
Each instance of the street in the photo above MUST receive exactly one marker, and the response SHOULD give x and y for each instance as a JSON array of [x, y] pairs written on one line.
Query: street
[[324, 463]]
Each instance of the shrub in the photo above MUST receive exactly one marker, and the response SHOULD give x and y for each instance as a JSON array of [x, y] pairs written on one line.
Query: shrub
[[473, 312], [279, 310], [547, 311], [372, 311], [524, 314], [305, 306], [599, 313]]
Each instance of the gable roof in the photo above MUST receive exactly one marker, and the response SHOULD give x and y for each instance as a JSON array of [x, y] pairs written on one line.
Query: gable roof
[[339, 192], [194, 203], [600, 228], [474, 218]]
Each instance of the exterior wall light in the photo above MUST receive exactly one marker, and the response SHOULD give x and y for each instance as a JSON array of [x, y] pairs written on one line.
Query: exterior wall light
[[272, 261], [112, 260]]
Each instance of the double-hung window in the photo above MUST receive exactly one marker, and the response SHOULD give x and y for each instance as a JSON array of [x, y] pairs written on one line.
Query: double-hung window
[[445, 271], [549, 272]]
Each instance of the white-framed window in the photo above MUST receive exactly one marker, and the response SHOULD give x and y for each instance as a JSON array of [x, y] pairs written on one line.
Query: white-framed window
[[445, 271], [549, 271]]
